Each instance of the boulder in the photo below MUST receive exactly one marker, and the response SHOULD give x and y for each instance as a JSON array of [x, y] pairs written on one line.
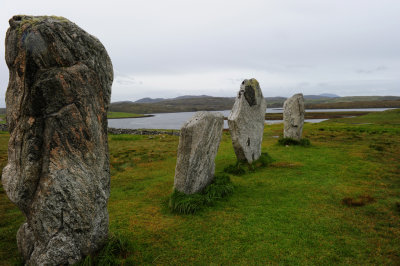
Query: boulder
[[58, 164], [293, 117], [246, 121], [198, 146]]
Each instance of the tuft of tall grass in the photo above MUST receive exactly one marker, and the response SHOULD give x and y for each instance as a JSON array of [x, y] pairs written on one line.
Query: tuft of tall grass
[[239, 168], [236, 169], [264, 160], [220, 188], [116, 249], [182, 203], [289, 141]]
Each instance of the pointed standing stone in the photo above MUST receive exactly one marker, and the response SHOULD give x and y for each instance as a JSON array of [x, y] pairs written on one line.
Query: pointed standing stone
[[58, 165], [198, 146], [246, 121], [293, 117]]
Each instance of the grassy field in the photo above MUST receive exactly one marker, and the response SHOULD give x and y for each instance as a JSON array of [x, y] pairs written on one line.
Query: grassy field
[[298, 210], [175, 105], [318, 115], [355, 104], [2, 118], [117, 115]]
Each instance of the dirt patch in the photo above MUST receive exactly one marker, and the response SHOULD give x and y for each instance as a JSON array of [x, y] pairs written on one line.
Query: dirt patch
[[358, 202], [286, 164]]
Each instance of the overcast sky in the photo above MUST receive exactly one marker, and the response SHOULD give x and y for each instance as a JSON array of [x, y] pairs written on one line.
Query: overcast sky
[[164, 48]]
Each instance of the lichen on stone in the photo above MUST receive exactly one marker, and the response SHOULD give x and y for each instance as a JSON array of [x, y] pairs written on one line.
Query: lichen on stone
[[253, 82], [23, 21], [58, 165], [246, 121]]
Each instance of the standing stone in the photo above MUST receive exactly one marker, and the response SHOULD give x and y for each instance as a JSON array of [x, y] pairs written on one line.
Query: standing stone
[[293, 117], [198, 146], [58, 165], [246, 121]]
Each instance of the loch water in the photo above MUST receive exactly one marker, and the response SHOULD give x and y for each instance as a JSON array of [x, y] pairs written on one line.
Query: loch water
[[176, 120]]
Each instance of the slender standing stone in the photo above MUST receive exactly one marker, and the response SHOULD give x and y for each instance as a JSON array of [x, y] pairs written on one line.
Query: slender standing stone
[[246, 121], [293, 117], [58, 164], [198, 146]]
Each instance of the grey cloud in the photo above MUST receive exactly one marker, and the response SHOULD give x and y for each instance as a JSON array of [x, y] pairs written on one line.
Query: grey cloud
[[235, 81], [126, 81], [304, 84], [213, 45], [373, 70]]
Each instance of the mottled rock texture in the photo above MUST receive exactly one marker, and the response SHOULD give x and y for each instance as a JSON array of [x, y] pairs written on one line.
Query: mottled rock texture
[[58, 164], [198, 146], [246, 121], [293, 117]]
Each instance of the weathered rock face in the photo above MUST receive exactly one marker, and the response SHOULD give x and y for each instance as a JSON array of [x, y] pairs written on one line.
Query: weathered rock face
[[58, 164], [293, 117], [246, 121], [198, 146]]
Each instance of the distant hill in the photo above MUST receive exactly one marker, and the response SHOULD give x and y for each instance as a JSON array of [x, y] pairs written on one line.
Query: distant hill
[[191, 103], [179, 104], [329, 95], [314, 97], [156, 100], [321, 96], [149, 100], [191, 96], [355, 104]]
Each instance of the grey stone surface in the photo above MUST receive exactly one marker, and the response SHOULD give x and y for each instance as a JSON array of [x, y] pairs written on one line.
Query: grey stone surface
[[293, 117], [198, 146], [246, 121], [58, 164]]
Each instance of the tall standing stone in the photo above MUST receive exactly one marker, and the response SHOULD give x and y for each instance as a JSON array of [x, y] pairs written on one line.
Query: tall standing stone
[[246, 121], [58, 165], [293, 117], [198, 146]]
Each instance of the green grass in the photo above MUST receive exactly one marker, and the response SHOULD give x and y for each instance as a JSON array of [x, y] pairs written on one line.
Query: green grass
[[241, 167], [115, 252], [220, 188], [289, 141], [294, 211], [116, 115], [390, 118]]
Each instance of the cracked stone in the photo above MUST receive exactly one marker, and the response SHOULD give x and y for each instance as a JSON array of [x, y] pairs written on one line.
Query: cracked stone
[[58, 164], [246, 121]]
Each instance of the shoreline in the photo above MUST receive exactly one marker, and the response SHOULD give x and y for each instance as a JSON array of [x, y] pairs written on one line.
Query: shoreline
[[128, 131], [143, 116]]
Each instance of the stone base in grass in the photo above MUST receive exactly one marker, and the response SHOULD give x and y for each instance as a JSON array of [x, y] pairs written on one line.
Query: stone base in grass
[[182, 203], [241, 167]]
